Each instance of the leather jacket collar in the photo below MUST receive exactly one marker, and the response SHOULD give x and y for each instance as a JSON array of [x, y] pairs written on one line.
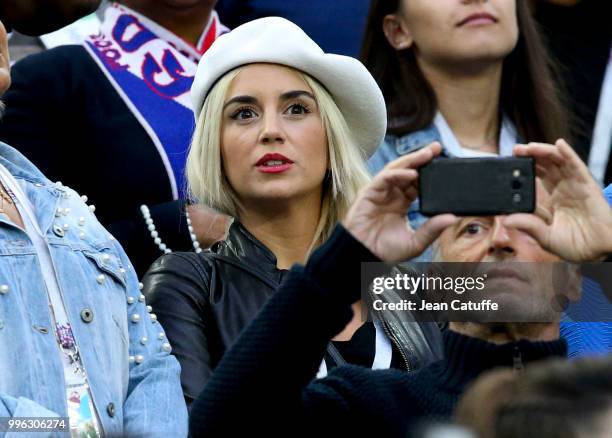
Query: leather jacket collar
[[419, 343], [242, 248]]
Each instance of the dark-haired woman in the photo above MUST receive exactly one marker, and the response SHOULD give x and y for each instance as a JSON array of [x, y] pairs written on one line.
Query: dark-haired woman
[[472, 74]]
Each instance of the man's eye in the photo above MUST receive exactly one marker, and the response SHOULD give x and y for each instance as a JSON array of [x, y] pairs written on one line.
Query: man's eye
[[472, 228], [243, 114], [298, 109]]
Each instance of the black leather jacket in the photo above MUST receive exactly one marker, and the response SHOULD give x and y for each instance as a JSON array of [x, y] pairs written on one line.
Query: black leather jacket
[[205, 300]]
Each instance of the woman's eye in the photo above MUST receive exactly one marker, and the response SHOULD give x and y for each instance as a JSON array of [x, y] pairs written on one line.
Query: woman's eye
[[243, 114], [298, 109]]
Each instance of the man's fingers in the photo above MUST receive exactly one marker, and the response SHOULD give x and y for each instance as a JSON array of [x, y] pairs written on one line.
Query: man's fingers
[[543, 199], [573, 165], [543, 213], [411, 193], [541, 152], [548, 161], [531, 224], [400, 178], [555, 163], [431, 230], [548, 179], [541, 170], [416, 159]]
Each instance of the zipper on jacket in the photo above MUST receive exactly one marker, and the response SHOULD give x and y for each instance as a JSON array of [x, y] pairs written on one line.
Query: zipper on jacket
[[517, 359], [393, 338]]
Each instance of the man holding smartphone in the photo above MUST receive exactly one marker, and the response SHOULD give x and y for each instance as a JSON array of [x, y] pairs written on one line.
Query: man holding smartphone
[[572, 222]]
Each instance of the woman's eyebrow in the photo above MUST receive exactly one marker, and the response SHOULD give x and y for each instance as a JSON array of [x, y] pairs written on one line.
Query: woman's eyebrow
[[240, 99], [295, 94], [285, 96]]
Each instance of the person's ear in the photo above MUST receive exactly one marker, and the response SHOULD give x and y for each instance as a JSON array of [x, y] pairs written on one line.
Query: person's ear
[[574, 282], [397, 33]]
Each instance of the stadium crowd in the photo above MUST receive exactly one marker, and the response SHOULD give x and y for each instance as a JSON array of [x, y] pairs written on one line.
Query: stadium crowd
[[196, 196]]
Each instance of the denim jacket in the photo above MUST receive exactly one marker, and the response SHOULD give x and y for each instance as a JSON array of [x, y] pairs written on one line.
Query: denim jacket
[[394, 147], [134, 380]]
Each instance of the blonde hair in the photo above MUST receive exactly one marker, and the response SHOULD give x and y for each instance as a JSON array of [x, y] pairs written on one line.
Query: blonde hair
[[208, 184]]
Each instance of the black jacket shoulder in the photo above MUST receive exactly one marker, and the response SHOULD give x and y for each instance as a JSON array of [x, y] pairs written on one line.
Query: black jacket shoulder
[[66, 55], [181, 266], [65, 67], [205, 300]]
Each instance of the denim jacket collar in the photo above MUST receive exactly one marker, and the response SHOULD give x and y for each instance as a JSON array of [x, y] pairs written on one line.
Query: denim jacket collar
[[415, 140], [19, 166], [22, 169]]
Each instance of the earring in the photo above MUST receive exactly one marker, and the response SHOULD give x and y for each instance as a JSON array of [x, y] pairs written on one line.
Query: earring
[[405, 45]]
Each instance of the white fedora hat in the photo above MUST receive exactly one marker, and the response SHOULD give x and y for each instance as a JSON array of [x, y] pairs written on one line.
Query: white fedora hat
[[278, 41]]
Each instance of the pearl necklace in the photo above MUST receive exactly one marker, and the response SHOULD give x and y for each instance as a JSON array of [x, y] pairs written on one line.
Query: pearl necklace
[[146, 214]]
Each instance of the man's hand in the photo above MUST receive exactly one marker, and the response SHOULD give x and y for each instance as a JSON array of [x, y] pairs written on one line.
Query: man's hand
[[377, 218], [572, 217]]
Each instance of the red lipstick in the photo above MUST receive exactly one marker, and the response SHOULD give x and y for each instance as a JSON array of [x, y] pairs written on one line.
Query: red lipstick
[[274, 163]]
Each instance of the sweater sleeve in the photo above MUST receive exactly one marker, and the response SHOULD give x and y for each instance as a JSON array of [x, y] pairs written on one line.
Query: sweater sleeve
[[262, 379]]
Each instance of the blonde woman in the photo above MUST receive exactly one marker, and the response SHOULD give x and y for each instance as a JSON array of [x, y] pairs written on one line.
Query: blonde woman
[[281, 135]]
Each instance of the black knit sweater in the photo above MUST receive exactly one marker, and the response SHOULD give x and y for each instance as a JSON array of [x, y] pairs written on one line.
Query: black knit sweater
[[264, 386]]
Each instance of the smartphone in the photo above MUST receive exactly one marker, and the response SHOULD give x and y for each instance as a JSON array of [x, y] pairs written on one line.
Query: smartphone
[[477, 186]]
